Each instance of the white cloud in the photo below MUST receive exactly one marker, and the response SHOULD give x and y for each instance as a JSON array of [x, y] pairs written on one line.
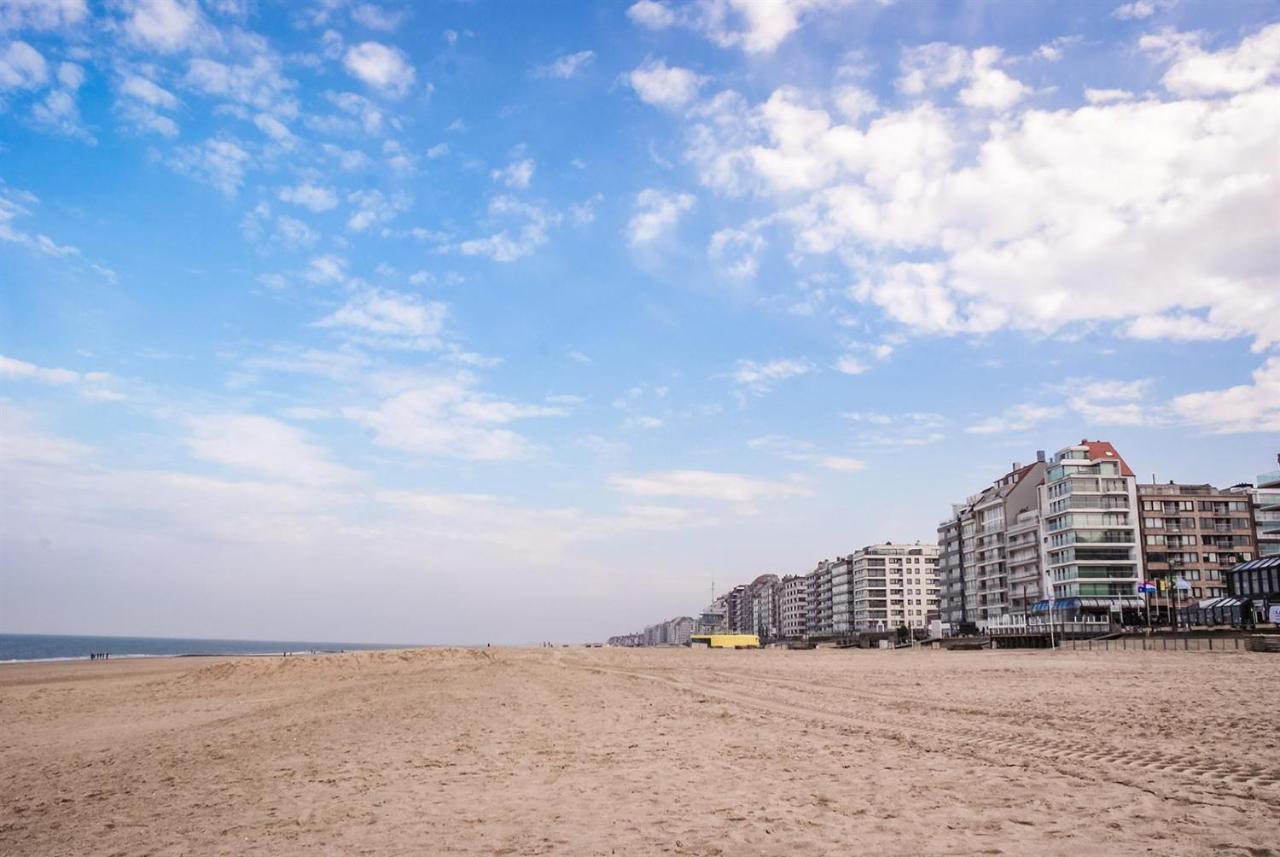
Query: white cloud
[[1251, 407], [936, 65], [14, 205], [259, 83], [22, 67], [565, 67], [380, 66], [939, 66], [41, 14], [1030, 223], [1178, 327], [652, 14], [165, 25], [373, 207], [657, 212], [326, 270], [516, 174], [1016, 418], [509, 244], [1106, 96], [13, 369], [736, 251], [148, 92], [390, 319], [703, 485], [310, 196], [262, 446], [439, 150], [378, 18], [447, 416], [669, 87], [843, 465], [1136, 10], [763, 377], [219, 162], [92, 385], [850, 365], [1244, 67], [990, 87], [753, 26]]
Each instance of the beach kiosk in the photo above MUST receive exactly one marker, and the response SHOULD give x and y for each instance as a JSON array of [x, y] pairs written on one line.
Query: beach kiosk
[[725, 641]]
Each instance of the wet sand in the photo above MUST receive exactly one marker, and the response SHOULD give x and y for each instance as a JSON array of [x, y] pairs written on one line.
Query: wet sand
[[636, 752]]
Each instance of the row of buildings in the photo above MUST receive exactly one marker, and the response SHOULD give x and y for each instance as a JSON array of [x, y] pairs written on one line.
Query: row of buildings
[[1071, 536]]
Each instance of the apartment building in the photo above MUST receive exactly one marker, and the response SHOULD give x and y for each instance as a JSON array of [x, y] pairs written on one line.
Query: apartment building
[[1265, 506], [763, 593], [819, 603], [1091, 550], [1196, 533], [893, 585], [841, 602], [974, 571], [1026, 578], [951, 567], [793, 599]]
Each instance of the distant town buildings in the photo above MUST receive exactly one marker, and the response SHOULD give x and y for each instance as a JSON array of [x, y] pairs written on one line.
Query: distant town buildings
[[1071, 537]]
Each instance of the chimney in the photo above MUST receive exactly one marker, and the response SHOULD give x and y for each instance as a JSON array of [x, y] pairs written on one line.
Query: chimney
[[1040, 455]]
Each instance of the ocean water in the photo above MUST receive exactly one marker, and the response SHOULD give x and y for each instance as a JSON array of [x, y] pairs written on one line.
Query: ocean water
[[56, 647]]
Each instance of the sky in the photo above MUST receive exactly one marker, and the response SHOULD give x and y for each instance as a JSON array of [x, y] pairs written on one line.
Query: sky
[[487, 321]]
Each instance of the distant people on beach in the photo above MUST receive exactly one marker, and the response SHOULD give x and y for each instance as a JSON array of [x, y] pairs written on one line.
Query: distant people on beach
[[99, 656]]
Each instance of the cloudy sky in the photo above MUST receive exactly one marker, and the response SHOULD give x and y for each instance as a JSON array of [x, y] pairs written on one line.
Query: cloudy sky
[[516, 321]]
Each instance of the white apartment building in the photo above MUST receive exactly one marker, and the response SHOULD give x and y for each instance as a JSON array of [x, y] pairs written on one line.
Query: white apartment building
[[819, 601], [893, 585], [841, 602], [1090, 548]]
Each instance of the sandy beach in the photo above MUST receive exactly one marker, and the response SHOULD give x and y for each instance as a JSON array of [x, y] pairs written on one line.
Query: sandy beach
[[596, 751]]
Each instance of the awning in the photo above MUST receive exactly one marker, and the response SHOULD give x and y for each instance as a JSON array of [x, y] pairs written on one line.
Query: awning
[[1123, 602], [1224, 603]]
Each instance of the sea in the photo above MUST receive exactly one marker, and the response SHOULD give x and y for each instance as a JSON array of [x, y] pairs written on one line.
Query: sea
[[15, 648]]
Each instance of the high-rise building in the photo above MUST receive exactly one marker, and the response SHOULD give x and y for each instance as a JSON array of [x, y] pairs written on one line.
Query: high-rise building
[[893, 585], [974, 569], [1196, 533], [763, 593], [1090, 549], [793, 599], [819, 602], [1026, 579], [1265, 500], [841, 602]]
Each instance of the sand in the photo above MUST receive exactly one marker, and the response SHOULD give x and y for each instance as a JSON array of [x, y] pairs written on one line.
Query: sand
[[638, 752]]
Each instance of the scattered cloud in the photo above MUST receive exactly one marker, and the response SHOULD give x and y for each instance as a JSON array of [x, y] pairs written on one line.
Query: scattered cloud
[[310, 196], [566, 66], [390, 319], [1253, 407], [516, 174], [704, 485], [1016, 418], [760, 378], [657, 212], [669, 87], [262, 447], [384, 68]]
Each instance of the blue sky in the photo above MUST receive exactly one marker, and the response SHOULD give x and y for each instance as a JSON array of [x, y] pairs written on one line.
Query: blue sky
[[477, 321]]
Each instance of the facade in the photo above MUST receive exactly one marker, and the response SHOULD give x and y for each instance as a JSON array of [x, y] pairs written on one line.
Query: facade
[[841, 600], [1267, 512], [1257, 583], [893, 585], [1026, 579], [975, 579], [951, 568], [1265, 502], [819, 603], [1090, 547], [793, 599], [1196, 533], [763, 593]]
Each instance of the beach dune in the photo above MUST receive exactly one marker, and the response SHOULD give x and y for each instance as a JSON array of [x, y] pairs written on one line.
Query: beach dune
[[635, 752]]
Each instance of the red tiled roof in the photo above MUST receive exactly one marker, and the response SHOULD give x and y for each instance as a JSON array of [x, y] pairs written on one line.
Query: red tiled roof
[[1103, 450]]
